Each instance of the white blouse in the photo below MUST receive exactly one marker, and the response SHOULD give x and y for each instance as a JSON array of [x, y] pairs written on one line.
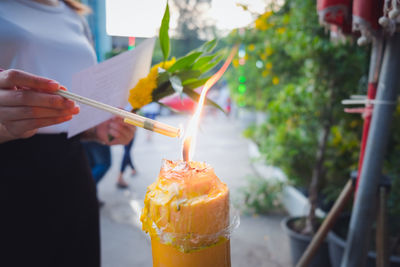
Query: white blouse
[[44, 40]]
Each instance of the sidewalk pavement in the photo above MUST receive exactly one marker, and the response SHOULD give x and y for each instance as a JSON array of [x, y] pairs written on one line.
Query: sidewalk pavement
[[258, 242]]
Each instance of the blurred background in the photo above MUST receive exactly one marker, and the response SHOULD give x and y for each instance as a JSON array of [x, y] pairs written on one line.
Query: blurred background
[[282, 96]]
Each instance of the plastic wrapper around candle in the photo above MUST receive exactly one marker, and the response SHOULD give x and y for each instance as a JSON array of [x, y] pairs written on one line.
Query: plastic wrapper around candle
[[190, 242], [188, 208]]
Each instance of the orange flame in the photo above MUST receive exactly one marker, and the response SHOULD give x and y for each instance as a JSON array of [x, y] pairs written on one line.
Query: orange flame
[[189, 141]]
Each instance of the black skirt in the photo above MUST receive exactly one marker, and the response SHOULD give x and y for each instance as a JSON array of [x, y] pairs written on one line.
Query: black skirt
[[48, 207]]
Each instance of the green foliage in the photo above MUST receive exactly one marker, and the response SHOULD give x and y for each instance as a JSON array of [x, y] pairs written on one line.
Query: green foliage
[[179, 48], [294, 72], [208, 46], [262, 196], [313, 75], [164, 36], [188, 72], [186, 62]]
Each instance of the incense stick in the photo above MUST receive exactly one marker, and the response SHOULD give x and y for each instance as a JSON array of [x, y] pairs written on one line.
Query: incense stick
[[128, 117]]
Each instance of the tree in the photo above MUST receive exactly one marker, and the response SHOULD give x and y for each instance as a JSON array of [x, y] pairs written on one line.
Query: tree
[[302, 78], [193, 28]]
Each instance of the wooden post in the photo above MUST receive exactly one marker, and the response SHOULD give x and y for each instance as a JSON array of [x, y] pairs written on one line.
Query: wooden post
[[382, 255], [326, 226]]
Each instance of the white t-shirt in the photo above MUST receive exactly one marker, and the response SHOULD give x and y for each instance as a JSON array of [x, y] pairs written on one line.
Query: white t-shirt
[[44, 40]]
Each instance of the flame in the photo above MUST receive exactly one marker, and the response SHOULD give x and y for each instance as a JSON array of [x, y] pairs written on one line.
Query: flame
[[189, 141]]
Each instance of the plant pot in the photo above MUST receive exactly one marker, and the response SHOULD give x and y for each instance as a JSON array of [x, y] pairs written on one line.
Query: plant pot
[[299, 243], [337, 245]]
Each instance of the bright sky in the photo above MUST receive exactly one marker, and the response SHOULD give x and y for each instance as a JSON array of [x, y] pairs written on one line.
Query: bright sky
[[141, 18], [228, 15]]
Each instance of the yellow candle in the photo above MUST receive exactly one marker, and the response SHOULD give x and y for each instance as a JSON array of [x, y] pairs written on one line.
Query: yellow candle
[[186, 213]]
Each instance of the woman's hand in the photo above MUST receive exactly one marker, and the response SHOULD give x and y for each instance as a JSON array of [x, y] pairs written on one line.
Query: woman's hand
[[120, 132], [27, 103]]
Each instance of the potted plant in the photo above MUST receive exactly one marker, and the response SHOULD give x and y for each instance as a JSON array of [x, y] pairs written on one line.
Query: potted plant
[[261, 196], [300, 76]]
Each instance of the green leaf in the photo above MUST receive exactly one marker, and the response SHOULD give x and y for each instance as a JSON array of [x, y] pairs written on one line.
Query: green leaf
[[185, 61], [211, 65], [163, 90], [195, 96], [163, 76], [208, 46], [188, 75], [194, 83], [176, 84], [164, 37], [203, 61]]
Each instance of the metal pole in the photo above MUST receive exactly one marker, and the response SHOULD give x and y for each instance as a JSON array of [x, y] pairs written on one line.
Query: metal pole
[[373, 78], [365, 203]]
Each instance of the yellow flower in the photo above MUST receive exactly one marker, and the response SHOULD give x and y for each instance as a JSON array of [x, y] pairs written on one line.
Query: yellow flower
[[263, 56], [265, 73], [261, 22], [235, 62], [261, 25], [275, 80], [141, 94], [266, 15], [280, 30], [251, 47], [268, 66], [268, 51]]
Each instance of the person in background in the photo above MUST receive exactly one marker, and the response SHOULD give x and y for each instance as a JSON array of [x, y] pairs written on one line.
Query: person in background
[[99, 157], [224, 99], [50, 215], [126, 161], [150, 111]]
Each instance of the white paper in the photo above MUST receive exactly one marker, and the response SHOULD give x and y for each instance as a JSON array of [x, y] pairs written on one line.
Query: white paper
[[109, 82]]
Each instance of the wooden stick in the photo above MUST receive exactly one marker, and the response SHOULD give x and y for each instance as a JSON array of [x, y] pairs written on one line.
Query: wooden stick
[[382, 255], [326, 226], [129, 117]]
